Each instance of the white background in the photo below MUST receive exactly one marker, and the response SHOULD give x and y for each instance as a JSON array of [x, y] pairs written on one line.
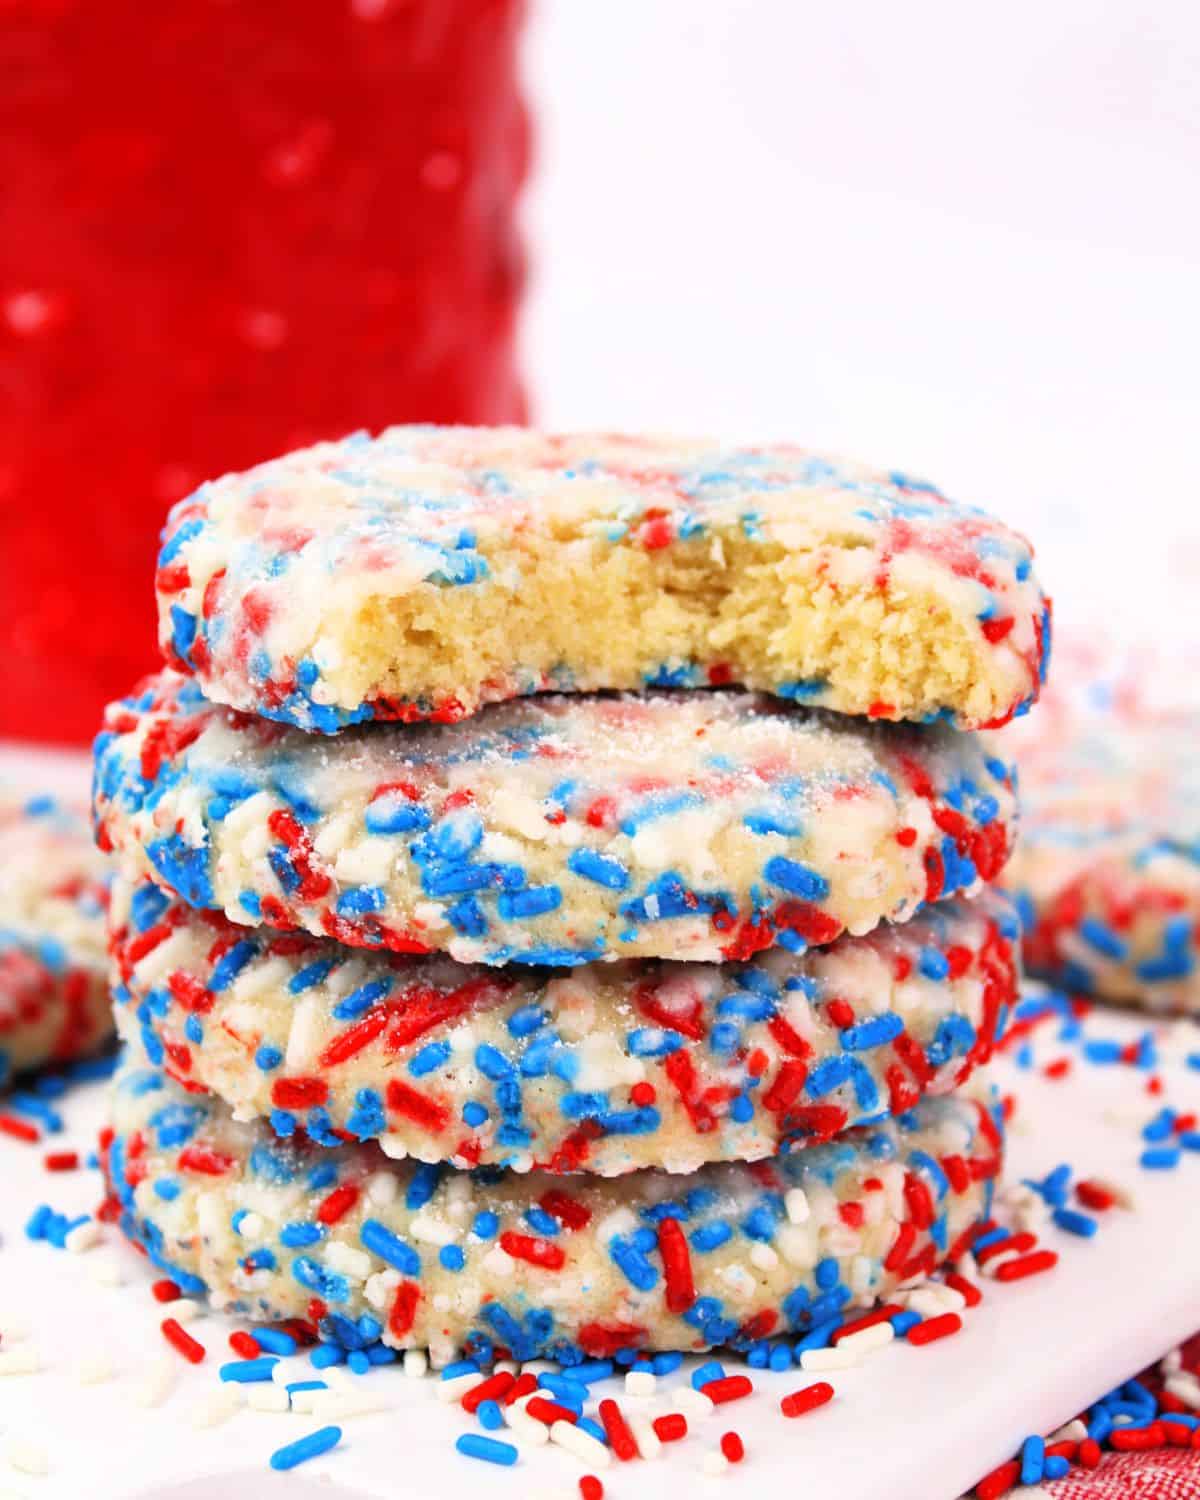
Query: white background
[[957, 239]]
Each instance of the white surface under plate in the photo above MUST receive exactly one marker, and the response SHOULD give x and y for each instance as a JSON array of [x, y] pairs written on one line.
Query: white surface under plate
[[914, 1423]]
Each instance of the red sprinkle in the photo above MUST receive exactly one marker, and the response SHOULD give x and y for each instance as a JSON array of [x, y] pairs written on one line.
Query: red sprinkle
[[868, 1320], [1089, 1453], [677, 1266], [967, 1290], [533, 1249], [590, 1487], [1025, 1265], [671, 1427], [1094, 1196], [616, 1429], [495, 1388], [337, 1204], [549, 1411], [179, 1338], [61, 1161], [731, 1388], [520, 1387], [1014, 1242], [166, 1290], [245, 1344], [808, 1398], [732, 1447], [20, 1130], [1137, 1439], [934, 1328], [999, 1481]]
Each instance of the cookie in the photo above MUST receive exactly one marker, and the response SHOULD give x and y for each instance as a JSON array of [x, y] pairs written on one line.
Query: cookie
[[410, 1255], [430, 570], [608, 1069], [555, 830], [1108, 870], [54, 1002]]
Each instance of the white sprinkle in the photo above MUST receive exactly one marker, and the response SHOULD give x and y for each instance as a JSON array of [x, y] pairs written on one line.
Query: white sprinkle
[[763, 1257], [525, 1427], [693, 1403], [506, 1367], [430, 1230], [868, 1339], [27, 1457], [156, 1383], [416, 1363], [83, 1237], [1186, 1387], [1073, 1432], [106, 1270], [182, 1309], [251, 1226], [334, 1405], [932, 1300], [217, 1407], [303, 1402], [795, 1202], [590, 1452], [23, 1361], [714, 1462], [94, 1368], [263, 1396], [539, 1367], [348, 1259], [640, 1383], [644, 1435], [392, 1146], [457, 1387], [498, 1262], [838, 1358], [382, 1188]]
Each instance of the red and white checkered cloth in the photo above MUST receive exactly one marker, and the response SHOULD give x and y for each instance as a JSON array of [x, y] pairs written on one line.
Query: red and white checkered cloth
[[1167, 1474]]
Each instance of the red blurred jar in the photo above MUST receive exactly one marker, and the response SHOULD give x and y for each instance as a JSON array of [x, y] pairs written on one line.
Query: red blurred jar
[[229, 227]]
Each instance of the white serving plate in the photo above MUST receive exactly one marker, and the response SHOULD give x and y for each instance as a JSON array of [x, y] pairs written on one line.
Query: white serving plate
[[914, 1424]]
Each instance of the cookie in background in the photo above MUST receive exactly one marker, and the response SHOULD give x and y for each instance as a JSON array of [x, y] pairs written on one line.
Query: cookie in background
[[1107, 867]]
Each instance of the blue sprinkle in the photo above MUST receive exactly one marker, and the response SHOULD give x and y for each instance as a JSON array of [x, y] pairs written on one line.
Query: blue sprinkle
[[1160, 1158], [1075, 1223], [275, 1341], [600, 868], [248, 1371], [490, 1416], [475, 1445], [311, 1446], [1033, 1459], [706, 1372], [796, 879], [380, 1241]]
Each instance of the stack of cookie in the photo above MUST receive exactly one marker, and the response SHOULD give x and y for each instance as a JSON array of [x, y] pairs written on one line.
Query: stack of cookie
[[531, 934]]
